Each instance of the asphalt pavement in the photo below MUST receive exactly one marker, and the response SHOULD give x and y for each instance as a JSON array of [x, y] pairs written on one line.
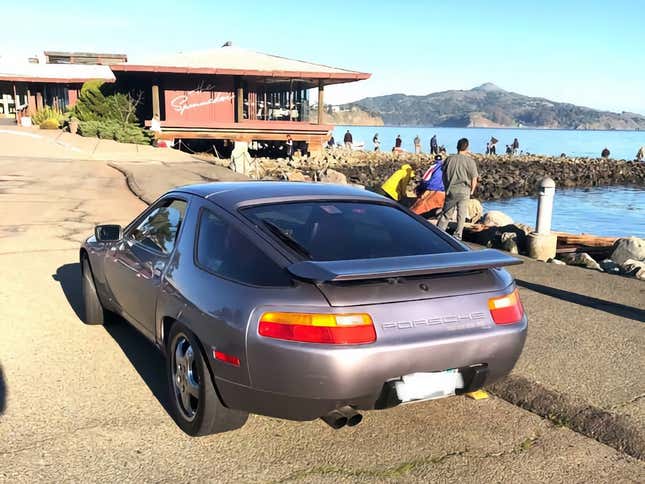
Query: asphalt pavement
[[87, 403]]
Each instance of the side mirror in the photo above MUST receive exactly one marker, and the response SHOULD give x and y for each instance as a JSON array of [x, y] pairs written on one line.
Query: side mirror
[[108, 233]]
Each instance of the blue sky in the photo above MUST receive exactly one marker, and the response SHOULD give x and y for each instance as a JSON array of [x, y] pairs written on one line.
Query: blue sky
[[585, 52]]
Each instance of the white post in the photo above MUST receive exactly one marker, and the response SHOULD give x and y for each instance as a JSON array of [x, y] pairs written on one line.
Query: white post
[[545, 206], [542, 244]]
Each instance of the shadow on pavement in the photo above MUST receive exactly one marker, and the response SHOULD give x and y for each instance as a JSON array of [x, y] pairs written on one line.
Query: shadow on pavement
[[3, 392], [69, 278], [143, 356], [591, 302]]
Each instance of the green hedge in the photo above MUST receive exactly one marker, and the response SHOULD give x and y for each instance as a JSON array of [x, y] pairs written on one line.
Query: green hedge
[[128, 133]]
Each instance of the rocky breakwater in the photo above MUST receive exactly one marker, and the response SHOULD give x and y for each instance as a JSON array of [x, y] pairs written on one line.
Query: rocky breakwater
[[516, 176], [500, 176]]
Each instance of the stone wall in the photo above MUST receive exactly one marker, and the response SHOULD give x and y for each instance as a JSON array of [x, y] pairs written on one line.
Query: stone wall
[[500, 176]]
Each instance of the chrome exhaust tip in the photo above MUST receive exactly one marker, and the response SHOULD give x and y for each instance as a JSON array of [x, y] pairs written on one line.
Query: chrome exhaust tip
[[335, 419], [352, 416]]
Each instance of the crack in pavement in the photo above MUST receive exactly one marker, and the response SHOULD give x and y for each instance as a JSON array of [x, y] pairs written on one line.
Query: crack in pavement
[[399, 470], [627, 403]]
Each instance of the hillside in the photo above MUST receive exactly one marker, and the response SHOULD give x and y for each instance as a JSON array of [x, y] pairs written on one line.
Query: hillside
[[353, 116], [490, 106]]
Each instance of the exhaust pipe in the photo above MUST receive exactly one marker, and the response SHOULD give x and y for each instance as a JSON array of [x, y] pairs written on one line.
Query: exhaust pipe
[[352, 416], [335, 419]]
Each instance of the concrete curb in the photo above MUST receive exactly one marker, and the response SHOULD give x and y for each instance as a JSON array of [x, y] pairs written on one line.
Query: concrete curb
[[136, 190], [617, 431]]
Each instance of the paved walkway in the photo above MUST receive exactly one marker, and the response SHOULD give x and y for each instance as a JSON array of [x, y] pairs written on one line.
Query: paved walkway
[[82, 403]]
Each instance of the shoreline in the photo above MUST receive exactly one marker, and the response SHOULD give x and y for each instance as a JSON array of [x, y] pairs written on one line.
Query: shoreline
[[501, 176], [524, 128]]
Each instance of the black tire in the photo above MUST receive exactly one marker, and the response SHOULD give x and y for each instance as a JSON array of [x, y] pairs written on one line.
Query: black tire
[[204, 413], [93, 312]]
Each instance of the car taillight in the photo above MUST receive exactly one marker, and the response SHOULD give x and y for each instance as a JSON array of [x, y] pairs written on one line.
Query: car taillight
[[338, 329], [506, 309]]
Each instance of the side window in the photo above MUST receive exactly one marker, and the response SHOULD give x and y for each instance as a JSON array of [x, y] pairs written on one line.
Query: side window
[[159, 229], [225, 251]]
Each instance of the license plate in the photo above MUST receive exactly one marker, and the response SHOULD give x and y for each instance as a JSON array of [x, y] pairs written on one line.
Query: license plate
[[428, 386]]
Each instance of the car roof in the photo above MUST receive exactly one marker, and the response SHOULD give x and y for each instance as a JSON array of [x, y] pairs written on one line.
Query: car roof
[[237, 194]]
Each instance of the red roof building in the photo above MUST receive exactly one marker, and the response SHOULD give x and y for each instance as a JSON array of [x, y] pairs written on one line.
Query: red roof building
[[232, 93], [228, 93]]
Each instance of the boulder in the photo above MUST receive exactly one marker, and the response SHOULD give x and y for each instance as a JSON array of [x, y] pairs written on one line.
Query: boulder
[[509, 242], [581, 259], [475, 210], [628, 248], [496, 218], [610, 266], [634, 268], [333, 176], [296, 176]]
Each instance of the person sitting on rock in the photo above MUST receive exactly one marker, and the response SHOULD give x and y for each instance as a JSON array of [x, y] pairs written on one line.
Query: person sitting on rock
[[396, 186], [430, 192], [605, 153], [640, 156]]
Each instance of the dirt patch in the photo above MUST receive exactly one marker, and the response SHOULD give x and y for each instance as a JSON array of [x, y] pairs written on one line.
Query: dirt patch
[[617, 431]]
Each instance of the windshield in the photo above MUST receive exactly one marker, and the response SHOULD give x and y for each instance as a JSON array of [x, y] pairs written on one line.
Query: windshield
[[347, 230]]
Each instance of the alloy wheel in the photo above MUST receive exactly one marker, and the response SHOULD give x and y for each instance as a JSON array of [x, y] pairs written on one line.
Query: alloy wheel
[[185, 377]]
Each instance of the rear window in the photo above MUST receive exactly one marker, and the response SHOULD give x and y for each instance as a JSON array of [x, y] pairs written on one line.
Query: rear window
[[347, 230]]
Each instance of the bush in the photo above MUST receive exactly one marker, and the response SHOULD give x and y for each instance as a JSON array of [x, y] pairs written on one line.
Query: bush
[[48, 113], [132, 134], [88, 128], [129, 133], [96, 103], [50, 123], [107, 129], [108, 115]]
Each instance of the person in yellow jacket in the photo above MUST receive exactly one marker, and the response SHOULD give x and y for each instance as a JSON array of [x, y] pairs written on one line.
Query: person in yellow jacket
[[395, 187]]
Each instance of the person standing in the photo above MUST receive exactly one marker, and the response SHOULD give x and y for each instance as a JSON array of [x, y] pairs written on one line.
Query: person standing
[[516, 146], [417, 144], [289, 147], [377, 143], [460, 180], [434, 147], [492, 150], [397, 142], [640, 156], [348, 140]]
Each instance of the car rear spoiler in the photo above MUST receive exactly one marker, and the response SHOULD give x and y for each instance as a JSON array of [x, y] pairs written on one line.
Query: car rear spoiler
[[413, 265]]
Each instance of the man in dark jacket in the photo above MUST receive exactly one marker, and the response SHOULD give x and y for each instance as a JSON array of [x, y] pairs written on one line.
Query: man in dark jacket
[[348, 140]]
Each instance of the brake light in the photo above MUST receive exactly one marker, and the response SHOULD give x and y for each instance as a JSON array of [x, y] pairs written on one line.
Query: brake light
[[338, 329], [506, 309]]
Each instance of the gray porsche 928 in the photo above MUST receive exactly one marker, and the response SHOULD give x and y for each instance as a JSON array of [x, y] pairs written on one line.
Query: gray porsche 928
[[302, 300]]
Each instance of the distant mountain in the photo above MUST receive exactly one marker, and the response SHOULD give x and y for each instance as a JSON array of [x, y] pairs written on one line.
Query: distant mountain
[[490, 106]]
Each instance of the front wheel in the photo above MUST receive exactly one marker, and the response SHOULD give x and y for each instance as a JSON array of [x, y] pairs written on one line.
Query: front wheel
[[196, 406]]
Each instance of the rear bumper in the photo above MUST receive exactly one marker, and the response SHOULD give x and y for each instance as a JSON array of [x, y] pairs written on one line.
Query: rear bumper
[[295, 381]]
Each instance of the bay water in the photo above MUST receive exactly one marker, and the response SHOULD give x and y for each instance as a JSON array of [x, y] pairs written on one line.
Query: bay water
[[553, 142], [609, 211]]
